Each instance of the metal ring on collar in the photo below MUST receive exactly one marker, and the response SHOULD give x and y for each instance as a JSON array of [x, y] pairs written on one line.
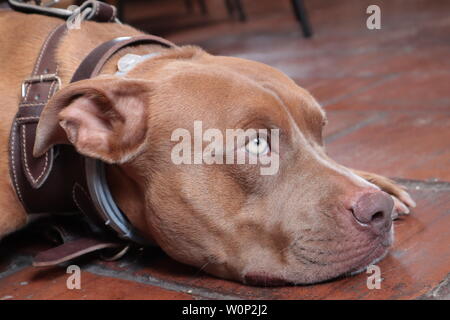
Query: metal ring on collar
[[105, 204]]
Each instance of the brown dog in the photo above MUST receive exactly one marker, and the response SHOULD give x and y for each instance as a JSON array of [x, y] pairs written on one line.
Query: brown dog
[[311, 221]]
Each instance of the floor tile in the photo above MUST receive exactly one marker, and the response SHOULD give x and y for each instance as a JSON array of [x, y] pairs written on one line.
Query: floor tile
[[406, 145], [51, 283]]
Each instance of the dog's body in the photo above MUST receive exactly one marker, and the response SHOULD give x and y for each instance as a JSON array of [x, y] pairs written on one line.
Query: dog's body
[[221, 218]]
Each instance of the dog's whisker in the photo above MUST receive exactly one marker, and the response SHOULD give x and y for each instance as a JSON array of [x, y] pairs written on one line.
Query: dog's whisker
[[197, 274]]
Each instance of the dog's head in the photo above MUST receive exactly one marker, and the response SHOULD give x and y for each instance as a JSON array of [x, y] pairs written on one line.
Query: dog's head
[[305, 220]]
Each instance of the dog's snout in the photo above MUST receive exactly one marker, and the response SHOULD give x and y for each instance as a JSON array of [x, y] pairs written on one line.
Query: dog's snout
[[374, 210]]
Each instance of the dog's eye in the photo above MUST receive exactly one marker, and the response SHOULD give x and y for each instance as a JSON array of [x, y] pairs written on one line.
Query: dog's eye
[[257, 146]]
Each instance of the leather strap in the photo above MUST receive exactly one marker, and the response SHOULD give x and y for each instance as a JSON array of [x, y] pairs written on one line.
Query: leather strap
[[42, 185], [30, 175], [71, 250], [94, 62], [100, 12], [36, 91], [73, 237]]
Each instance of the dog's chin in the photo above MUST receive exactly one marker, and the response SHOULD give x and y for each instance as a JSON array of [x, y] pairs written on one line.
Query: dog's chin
[[372, 258], [375, 261]]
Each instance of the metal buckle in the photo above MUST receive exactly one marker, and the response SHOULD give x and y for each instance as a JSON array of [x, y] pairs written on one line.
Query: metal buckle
[[47, 8], [49, 3], [40, 78], [42, 8]]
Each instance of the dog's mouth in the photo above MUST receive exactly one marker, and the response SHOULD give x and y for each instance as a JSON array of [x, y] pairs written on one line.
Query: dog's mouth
[[378, 253], [336, 265]]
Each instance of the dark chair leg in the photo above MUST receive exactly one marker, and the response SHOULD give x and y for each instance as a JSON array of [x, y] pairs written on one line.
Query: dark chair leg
[[203, 7], [302, 17], [230, 7], [189, 5], [120, 10], [240, 10]]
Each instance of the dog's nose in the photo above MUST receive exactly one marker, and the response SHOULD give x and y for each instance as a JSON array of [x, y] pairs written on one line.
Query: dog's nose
[[374, 210]]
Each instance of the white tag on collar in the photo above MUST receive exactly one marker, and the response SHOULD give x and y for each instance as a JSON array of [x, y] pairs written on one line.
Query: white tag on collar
[[128, 61]]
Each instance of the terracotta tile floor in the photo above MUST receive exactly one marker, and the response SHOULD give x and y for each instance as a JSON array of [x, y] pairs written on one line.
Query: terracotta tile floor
[[387, 95]]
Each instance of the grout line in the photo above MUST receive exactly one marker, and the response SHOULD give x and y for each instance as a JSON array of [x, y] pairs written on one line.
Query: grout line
[[17, 264], [343, 132], [440, 292], [359, 90], [425, 184], [201, 292]]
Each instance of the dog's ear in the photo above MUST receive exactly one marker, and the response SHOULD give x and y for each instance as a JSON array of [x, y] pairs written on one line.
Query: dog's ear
[[104, 118]]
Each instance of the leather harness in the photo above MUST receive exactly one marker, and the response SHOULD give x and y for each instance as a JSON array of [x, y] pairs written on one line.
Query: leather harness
[[62, 180]]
